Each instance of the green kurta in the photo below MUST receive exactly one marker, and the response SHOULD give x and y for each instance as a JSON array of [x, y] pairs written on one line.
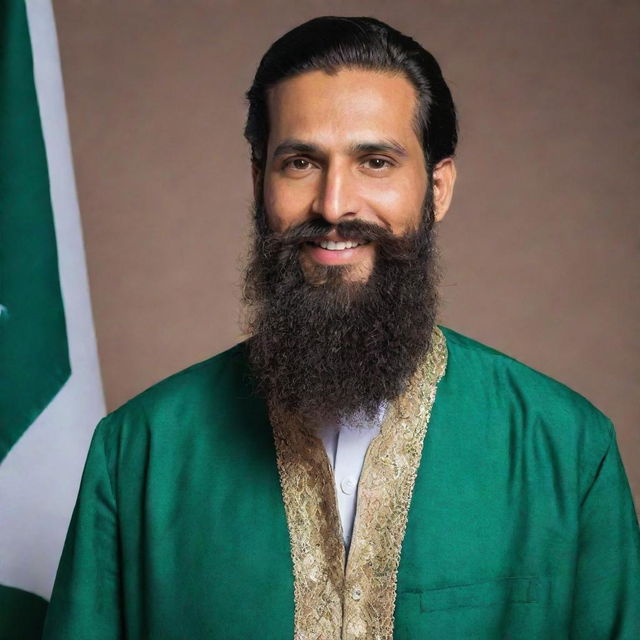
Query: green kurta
[[521, 523]]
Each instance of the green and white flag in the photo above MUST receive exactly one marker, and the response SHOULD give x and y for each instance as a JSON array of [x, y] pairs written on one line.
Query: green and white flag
[[50, 390]]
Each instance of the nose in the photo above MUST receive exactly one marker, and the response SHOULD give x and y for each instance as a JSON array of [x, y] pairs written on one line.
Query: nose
[[337, 196]]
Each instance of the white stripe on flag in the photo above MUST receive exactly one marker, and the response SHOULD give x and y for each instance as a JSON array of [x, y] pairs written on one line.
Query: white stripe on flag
[[39, 478]]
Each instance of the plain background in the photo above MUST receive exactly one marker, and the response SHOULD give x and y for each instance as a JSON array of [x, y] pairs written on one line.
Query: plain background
[[540, 248]]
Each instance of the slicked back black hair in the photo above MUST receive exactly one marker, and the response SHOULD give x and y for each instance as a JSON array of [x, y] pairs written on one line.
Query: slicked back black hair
[[330, 43]]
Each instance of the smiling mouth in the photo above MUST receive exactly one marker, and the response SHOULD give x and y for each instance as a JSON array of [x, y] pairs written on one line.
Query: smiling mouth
[[332, 245]]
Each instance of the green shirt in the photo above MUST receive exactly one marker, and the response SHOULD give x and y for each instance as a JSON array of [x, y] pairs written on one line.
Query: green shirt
[[521, 522]]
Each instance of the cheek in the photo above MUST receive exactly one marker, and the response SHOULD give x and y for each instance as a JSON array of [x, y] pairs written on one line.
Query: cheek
[[278, 208], [286, 206], [400, 204]]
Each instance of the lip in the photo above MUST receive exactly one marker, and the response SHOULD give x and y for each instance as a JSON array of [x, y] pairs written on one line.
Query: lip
[[331, 236], [336, 257]]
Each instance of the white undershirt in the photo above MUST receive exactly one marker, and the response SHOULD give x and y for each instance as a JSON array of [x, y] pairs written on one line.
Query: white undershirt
[[346, 445]]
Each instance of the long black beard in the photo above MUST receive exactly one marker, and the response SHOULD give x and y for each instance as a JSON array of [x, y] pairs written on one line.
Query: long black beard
[[327, 347]]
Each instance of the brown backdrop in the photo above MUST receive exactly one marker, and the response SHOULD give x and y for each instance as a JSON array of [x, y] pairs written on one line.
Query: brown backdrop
[[541, 244]]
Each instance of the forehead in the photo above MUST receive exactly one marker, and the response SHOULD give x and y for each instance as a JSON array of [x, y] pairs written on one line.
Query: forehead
[[347, 106]]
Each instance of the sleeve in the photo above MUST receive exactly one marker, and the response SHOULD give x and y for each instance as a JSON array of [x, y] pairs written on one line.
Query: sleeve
[[607, 585], [86, 598]]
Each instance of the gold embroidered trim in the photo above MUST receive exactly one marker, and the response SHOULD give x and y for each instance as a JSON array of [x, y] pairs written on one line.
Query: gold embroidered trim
[[384, 497], [332, 603], [315, 531]]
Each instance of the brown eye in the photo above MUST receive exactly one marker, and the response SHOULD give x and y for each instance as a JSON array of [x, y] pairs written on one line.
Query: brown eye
[[378, 163], [298, 164]]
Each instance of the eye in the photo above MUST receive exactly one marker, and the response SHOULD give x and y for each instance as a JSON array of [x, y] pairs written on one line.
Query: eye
[[377, 164], [297, 164]]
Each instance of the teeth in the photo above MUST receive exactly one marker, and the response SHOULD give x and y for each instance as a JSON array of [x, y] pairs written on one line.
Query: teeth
[[337, 246]]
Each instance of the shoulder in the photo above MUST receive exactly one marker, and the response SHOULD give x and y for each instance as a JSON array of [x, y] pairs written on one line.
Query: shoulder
[[505, 387], [191, 396], [501, 375]]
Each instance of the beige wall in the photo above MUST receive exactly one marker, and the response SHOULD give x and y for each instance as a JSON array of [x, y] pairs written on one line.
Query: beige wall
[[541, 245]]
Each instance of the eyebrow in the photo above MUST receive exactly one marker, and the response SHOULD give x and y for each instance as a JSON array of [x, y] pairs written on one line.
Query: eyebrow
[[294, 145]]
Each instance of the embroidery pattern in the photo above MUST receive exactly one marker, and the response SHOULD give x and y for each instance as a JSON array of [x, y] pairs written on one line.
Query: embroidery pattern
[[332, 603], [315, 531]]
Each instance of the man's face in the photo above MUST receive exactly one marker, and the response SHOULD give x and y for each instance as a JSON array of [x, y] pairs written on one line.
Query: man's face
[[340, 329], [343, 148]]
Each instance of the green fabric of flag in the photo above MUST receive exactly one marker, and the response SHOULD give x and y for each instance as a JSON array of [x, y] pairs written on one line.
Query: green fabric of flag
[[21, 614], [34, 355]]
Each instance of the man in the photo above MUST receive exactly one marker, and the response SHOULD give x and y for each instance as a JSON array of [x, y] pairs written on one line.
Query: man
[[352, 470]]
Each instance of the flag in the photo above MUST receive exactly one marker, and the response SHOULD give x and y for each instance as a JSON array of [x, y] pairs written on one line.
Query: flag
[[50, 389]]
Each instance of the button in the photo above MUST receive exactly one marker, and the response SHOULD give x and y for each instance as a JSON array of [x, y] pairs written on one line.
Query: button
[[348, 485], [356, 593]]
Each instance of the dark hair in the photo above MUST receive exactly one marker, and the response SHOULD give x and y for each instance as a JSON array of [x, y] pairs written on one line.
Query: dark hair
[[329, 43]]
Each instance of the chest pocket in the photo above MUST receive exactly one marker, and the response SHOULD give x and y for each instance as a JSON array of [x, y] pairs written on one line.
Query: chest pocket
[[490, 610], [482, 594]]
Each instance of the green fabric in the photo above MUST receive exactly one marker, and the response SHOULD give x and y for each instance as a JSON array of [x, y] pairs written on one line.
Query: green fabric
[[521, 525], [161, 546], [21, 614], [33, 344]]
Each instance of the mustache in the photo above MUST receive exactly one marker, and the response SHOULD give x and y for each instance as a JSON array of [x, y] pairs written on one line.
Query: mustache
[[318, 228], [285, 245]]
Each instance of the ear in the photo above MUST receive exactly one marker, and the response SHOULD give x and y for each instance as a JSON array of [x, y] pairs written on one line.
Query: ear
[[444, 177], [256, 176]]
